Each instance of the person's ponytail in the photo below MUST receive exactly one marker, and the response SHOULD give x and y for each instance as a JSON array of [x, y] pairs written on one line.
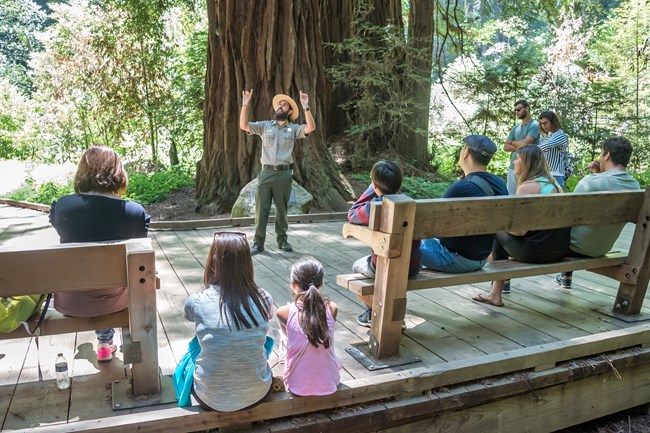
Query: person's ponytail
[[314, 317]]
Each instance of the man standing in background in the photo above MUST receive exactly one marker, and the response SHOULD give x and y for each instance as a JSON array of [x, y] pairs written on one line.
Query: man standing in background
[[527, 132]]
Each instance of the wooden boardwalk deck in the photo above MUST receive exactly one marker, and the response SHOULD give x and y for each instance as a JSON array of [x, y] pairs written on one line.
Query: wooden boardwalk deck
[[443, 325]]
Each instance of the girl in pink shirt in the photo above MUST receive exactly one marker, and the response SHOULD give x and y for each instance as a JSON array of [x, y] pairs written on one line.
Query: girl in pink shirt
[[311, 366]]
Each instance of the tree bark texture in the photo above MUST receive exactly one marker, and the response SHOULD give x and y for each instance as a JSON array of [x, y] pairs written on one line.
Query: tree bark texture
[[336, 26], [420, 36], [271, 47]]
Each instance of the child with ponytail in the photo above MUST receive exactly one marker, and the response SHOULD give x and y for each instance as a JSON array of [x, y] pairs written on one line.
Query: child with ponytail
[[311, 366]]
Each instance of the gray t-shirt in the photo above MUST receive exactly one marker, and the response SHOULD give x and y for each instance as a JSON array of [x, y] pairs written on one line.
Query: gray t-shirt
[[277, 141], [519, 132], [231, 371], [597, 240]]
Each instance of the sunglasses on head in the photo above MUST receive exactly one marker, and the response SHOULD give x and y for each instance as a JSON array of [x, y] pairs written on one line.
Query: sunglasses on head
[[218, 234]]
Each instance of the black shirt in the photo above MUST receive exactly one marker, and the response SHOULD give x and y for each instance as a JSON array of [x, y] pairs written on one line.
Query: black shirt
[[473, 247]]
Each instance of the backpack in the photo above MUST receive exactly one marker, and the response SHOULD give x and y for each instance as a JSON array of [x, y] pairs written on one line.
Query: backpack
[[483, 185], [569, 168], [15, 310]]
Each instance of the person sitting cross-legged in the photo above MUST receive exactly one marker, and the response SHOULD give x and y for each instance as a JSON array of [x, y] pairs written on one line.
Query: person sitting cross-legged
[[607, 174], [533, 246], [386, 177], [466, 253]]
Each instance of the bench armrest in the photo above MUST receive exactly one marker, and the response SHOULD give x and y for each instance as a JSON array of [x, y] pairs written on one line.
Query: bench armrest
[[382, 244]]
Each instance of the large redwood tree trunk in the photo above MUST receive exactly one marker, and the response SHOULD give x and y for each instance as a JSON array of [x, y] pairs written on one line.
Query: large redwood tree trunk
[[270, 47], [420, 36]]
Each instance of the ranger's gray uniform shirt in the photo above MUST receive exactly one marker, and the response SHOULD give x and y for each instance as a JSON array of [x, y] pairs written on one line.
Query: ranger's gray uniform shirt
[[277, 141]]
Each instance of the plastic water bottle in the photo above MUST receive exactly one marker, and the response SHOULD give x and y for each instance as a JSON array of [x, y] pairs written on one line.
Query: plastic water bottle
[[62, 376]]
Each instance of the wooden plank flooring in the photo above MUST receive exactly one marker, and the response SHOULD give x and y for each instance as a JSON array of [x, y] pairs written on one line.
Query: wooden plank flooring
[[443, 325]]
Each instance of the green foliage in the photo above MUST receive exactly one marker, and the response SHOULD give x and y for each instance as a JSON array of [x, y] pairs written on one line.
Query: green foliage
[[16, 121], [415, 186], [44, 193], [19, 23], [642, 177], [151, 188], [127, 74], [495, 76], [381, 61], [143, 188], [621, 55]]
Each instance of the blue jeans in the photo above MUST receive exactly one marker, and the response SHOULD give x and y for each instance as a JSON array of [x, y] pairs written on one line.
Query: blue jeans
[[438, 258], [511, 182]]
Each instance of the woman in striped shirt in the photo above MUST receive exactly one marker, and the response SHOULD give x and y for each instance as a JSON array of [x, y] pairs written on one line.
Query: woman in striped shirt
[[554, 143]]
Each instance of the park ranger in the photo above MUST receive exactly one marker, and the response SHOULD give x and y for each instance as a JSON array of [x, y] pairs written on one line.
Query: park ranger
[[274, 179]]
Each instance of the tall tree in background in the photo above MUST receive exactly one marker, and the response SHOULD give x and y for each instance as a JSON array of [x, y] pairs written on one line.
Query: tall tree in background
[[270, 47], [388, 74], [418, 84], [336, 26]]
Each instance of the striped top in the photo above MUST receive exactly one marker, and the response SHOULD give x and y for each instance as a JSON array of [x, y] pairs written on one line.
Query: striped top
[[554, 146]]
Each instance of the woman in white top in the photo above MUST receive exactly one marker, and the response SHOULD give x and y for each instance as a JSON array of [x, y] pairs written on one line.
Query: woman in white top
[[554, 143], [232, 318]]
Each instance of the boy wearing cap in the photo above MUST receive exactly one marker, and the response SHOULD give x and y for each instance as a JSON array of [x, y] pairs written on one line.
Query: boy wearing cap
[[466, 253], [274, 179]]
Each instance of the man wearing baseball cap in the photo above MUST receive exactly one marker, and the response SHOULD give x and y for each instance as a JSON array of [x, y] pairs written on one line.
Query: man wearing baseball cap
[[466, 253], [274, 179]]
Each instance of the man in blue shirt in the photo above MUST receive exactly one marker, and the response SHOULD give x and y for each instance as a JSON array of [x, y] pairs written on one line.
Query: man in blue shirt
[[466, 253], [527, 132]]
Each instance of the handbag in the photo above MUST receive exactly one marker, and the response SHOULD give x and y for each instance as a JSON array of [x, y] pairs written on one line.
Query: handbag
[[183, 377], [16, 310]]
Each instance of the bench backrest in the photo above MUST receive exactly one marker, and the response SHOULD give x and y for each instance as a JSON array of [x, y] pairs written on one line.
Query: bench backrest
[[67, 267], [71, 267], [481, 215]]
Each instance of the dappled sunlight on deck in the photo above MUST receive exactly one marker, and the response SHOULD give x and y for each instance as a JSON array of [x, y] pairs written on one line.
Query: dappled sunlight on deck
[[445, 329]]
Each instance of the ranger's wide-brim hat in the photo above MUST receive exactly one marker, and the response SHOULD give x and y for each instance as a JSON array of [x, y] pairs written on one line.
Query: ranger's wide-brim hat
[[294, 107]]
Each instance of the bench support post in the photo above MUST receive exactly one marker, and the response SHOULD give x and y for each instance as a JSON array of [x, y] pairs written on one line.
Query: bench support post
[[389, 300], [630, 296], [141, 269]]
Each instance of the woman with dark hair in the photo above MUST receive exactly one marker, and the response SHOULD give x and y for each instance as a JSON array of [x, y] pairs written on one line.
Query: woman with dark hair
[[533, 246], [311, 366], [97, 213], [232, 318], [554, 143]]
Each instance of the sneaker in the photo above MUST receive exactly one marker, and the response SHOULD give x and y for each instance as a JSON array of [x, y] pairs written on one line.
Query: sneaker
[[285, 246], [105, 351], [564, 280], [256, 249], [506, 287], [365, 319]]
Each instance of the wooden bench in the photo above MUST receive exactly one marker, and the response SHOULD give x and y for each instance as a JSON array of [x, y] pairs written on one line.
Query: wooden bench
[[73, 267], [399, 219]]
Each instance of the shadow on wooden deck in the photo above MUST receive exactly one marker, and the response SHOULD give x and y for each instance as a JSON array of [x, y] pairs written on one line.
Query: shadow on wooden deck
[[551, 358]]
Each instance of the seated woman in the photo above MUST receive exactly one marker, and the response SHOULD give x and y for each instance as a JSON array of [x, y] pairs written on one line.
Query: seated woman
[[232, 318], [554, 143], [97, 213], [534, 246], [307, 324]]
